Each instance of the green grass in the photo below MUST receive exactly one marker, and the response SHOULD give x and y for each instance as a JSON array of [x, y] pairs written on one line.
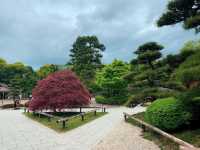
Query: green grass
[[71, 124], [189, 135]]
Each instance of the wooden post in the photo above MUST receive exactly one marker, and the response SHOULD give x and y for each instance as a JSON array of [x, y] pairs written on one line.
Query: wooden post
[[63, 124], [143, 128], [82, 117], [3, 98], [95, 112], [49, 119], [125, 117]]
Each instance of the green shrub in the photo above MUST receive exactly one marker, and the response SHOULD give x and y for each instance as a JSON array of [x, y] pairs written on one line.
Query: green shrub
[[149, 95], [189, 70], [100, 99], [111, 100], [191, 102], [167, 114]]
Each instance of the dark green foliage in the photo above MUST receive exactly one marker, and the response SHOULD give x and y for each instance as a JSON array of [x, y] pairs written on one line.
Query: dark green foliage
[[191, 102], [45, 70], [149, 95], [20, 78], [189, 71], [111, 82], [100, 99], [148, 53], [167, 114], [173, 85], [117, 100], [186, 11], [86, 57]]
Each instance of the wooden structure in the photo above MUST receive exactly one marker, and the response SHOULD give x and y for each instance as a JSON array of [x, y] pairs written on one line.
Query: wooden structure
[[3, 91], [64, 120], [182, 144]]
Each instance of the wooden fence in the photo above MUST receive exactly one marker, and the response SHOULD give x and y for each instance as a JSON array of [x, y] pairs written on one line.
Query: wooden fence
[[64, 120], [182, 144]]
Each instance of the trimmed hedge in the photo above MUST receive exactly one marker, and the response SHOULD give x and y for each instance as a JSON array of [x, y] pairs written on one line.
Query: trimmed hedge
[[111, 100], [149, 95], [167, 114], [191, 102], [189, 70]]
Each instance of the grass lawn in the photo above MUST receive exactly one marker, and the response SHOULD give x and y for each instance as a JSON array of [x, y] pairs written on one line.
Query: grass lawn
[[71, 124], [189, 135]]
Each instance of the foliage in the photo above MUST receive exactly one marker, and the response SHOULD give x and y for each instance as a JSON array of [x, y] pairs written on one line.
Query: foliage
[[148, 53], [20, 78], [45, 70], [117, 100], [186, 11], [14, 85], [149, 95], [189, 71], [191, 102], [86, 57], [59, 90], [111, 82], [100, 99], [191, 46], [167, 114]]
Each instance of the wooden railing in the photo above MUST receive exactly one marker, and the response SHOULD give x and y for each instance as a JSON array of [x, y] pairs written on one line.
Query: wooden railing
[[63, 120], [182, 144]]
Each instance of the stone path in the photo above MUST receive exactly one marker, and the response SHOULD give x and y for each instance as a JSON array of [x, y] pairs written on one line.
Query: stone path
[[125, 137], [17, 132]]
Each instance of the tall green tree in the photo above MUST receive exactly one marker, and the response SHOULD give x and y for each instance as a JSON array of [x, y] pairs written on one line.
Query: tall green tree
[[86, 57], [148, 53], [45, 70], [186, 11], [110, 79]]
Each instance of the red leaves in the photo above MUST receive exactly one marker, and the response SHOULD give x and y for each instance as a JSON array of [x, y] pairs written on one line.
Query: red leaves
[[59, 90]]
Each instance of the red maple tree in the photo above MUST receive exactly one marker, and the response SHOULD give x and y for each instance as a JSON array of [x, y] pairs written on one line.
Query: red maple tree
[[59, 90]]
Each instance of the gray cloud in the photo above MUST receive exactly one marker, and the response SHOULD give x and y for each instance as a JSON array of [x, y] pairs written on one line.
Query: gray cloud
[[37, 32]]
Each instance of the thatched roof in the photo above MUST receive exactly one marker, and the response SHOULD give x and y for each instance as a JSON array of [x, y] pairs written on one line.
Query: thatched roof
[[4, 88]]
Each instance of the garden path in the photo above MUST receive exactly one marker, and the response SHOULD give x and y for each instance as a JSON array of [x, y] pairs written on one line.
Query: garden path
[[18, 132]]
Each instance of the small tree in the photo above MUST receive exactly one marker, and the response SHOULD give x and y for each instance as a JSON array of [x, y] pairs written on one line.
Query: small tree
[[15, 89], [148, 53], [59, 90]]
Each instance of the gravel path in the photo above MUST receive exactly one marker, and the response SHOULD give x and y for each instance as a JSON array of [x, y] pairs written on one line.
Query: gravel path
[[125, 137], [18, 132]]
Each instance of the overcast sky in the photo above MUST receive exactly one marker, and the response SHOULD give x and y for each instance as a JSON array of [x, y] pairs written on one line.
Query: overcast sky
[[38, 32]]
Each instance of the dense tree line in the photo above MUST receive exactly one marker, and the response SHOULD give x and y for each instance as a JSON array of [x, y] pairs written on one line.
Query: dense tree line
[[21, 79]]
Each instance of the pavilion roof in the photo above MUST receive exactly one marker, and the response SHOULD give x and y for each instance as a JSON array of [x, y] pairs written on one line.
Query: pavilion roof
[[4, 88]]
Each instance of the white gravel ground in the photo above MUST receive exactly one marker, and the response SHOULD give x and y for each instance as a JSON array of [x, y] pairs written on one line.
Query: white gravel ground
[[18, 132]]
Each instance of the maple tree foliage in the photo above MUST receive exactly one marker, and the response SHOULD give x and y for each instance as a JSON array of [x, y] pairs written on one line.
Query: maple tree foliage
[[59, 90]]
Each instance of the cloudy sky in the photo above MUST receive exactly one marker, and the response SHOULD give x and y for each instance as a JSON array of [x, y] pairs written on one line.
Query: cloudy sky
[[38, 32]]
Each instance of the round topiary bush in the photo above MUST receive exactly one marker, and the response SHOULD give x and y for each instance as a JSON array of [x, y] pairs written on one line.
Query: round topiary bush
[[167, 114], [59, 90]]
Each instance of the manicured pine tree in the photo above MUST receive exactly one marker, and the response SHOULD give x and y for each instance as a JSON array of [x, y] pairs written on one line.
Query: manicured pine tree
[[86, 57], [186, 11]]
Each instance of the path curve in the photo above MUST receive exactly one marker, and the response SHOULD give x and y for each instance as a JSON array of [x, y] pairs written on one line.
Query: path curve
[[18, 132]]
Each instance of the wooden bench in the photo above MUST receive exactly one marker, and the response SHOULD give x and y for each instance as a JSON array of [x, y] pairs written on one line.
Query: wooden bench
[[182, 144]]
